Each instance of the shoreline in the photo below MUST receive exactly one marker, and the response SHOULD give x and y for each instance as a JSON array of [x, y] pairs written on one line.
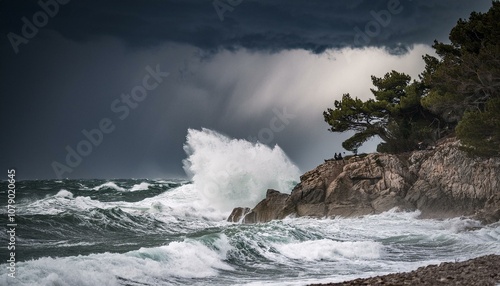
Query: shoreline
[[441, 183], [483, 270]]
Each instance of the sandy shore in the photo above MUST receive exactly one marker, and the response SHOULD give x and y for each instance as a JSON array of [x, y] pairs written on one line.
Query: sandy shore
[[483, 270]]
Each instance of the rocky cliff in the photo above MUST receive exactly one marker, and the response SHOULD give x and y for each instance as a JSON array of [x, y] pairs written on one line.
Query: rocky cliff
[[441, 183]]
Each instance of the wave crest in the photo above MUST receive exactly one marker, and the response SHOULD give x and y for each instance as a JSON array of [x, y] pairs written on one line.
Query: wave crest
[[232, 172]]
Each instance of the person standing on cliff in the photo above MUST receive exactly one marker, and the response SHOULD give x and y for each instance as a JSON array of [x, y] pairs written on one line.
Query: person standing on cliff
[[335, 157]]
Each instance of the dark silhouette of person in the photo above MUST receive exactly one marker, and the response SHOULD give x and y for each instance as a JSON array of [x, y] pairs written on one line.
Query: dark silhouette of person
[[339, 157], [336, 157]]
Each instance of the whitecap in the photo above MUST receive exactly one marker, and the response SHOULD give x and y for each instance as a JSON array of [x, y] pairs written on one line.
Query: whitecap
[[64, 194], [140, 187], [111, 185]]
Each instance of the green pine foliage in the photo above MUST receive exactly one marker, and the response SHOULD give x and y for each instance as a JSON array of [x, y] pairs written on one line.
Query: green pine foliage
[[459, 90], [395, 115], [479, 131]]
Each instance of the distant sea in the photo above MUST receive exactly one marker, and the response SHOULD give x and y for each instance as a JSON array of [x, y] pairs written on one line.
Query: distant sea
[[174, 232]]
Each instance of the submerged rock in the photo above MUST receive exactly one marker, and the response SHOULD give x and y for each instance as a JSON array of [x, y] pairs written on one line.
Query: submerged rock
[[443, 182]]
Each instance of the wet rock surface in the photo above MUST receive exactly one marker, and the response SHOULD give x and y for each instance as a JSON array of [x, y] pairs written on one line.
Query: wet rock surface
[[479, 271], [268, 209], [238, 214]]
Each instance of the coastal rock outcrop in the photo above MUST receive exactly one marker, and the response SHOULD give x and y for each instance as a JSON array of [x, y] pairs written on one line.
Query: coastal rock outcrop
[[443, 182]]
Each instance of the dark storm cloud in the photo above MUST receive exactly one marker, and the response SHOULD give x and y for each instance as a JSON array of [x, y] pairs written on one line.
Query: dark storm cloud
[[255, 25], [66, 75]]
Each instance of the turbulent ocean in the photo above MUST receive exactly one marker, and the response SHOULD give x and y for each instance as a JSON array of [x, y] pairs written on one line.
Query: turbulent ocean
[[174, 232]]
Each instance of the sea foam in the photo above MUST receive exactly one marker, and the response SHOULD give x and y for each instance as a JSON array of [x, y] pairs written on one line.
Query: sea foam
[[61, 202], [233, 172], [326, 249]]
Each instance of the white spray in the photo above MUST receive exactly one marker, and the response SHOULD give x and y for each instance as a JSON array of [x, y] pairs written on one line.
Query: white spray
[[231, 172]]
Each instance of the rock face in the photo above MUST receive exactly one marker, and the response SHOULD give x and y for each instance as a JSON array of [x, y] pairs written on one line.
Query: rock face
[[269, 208], [238, 214], [441, 183]]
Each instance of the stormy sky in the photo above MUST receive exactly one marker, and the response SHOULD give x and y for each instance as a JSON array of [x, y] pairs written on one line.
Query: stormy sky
[[143, 72]]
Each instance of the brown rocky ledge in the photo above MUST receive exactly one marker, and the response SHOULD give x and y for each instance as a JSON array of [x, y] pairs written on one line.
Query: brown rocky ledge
[[442, 183], [478, 271]]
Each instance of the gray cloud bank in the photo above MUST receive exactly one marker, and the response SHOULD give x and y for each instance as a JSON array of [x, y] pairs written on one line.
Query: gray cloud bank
[[311, 25]]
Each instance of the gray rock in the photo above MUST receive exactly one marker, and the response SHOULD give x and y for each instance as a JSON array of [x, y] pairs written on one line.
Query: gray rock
[[268, 209]]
